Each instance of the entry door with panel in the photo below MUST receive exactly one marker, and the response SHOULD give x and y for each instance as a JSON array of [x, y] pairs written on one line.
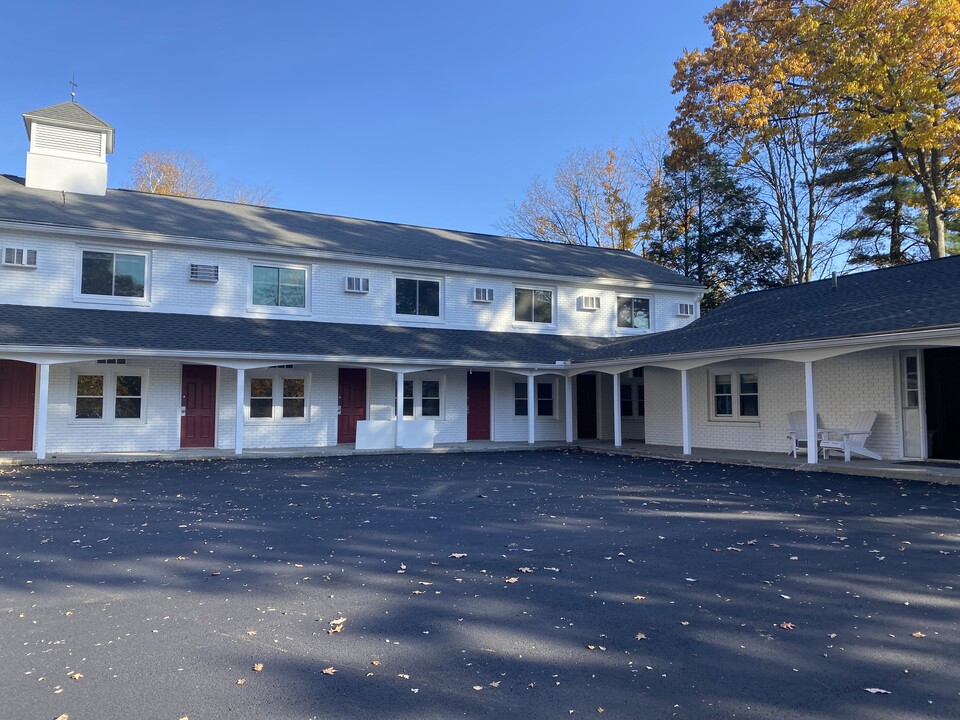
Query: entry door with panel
[[586, 407], [353, 403], [198, 406], [18, 382], [478, 405]]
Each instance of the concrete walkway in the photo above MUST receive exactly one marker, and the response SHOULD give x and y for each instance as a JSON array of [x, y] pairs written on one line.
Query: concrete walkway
[[936, 471]]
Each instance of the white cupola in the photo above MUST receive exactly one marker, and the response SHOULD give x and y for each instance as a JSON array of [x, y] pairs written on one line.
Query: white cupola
[[68, 149]]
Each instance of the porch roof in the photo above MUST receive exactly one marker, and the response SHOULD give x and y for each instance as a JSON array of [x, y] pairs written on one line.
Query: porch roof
[[78, 330], [920, 296]]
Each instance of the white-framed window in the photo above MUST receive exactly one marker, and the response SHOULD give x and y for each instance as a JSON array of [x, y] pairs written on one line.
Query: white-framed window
[[277, 394], [533, 305], [735, 395], [418, 296], [279, 288], [545, 401], [111, 276], [115, 394], [422, 398], [633, 313], [632, 395]]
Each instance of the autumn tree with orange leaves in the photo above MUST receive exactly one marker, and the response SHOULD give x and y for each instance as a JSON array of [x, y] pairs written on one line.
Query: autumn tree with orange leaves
[[785, 82], [184, 175]]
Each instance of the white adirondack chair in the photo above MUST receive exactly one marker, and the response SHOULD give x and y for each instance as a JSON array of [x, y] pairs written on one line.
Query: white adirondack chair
[[851, 441], [797, 434]]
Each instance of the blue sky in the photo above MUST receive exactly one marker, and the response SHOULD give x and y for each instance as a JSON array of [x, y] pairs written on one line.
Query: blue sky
[[431, 113]]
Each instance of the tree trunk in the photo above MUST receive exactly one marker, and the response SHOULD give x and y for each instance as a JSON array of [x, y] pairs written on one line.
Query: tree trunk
[[937, 239]]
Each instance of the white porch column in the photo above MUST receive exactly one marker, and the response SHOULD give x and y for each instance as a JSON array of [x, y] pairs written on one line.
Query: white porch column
[[531, 408], [617, 421], [568, 406], [43, 398], [241, 382], [685, 412], [810, 390], [399, 435]]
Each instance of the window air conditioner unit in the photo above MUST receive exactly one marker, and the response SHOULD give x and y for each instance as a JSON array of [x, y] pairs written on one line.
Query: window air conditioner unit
[[20, 257], [356, 284], [204, 273], [483, 295], [589, 302], [685, 309]]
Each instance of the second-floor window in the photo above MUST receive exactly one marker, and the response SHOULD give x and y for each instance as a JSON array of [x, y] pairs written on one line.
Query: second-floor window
[[533, 305], [633, 313], [112, 274], [418, 297], [275, 286]]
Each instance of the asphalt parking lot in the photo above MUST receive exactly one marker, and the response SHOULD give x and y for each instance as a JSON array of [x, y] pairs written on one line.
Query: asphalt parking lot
[[494, 585]]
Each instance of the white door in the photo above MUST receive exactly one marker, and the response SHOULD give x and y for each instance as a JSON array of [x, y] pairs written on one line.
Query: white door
[[910, 401]]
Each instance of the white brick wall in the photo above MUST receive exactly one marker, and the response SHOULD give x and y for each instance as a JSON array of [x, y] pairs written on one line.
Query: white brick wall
[[159, 429], [510, 427], [55, 282], [845, 385]]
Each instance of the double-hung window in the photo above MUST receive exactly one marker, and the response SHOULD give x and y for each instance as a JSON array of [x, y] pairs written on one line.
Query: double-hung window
[[736, 396], [633, 313], [281, 287], [417, 296], [543, 402], [113, 274], [533, 305]]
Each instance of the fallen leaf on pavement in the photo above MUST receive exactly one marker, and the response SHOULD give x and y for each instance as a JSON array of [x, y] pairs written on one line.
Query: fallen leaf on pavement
[[257, 667], [787, 626], [328, 671], [74, 676], [639, 597], [878, 691], [641, 636], [241, 681], [458, 555], [511, 581], [917, 634]]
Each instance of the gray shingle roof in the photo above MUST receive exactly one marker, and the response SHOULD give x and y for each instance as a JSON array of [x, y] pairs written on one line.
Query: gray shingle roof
[[70, 113], [923, 295], [110, 330], [126, 210]]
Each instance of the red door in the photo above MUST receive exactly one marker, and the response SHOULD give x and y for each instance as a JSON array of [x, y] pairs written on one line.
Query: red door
[[199, 406], [353, 403], [478, 405], [18, 385]]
